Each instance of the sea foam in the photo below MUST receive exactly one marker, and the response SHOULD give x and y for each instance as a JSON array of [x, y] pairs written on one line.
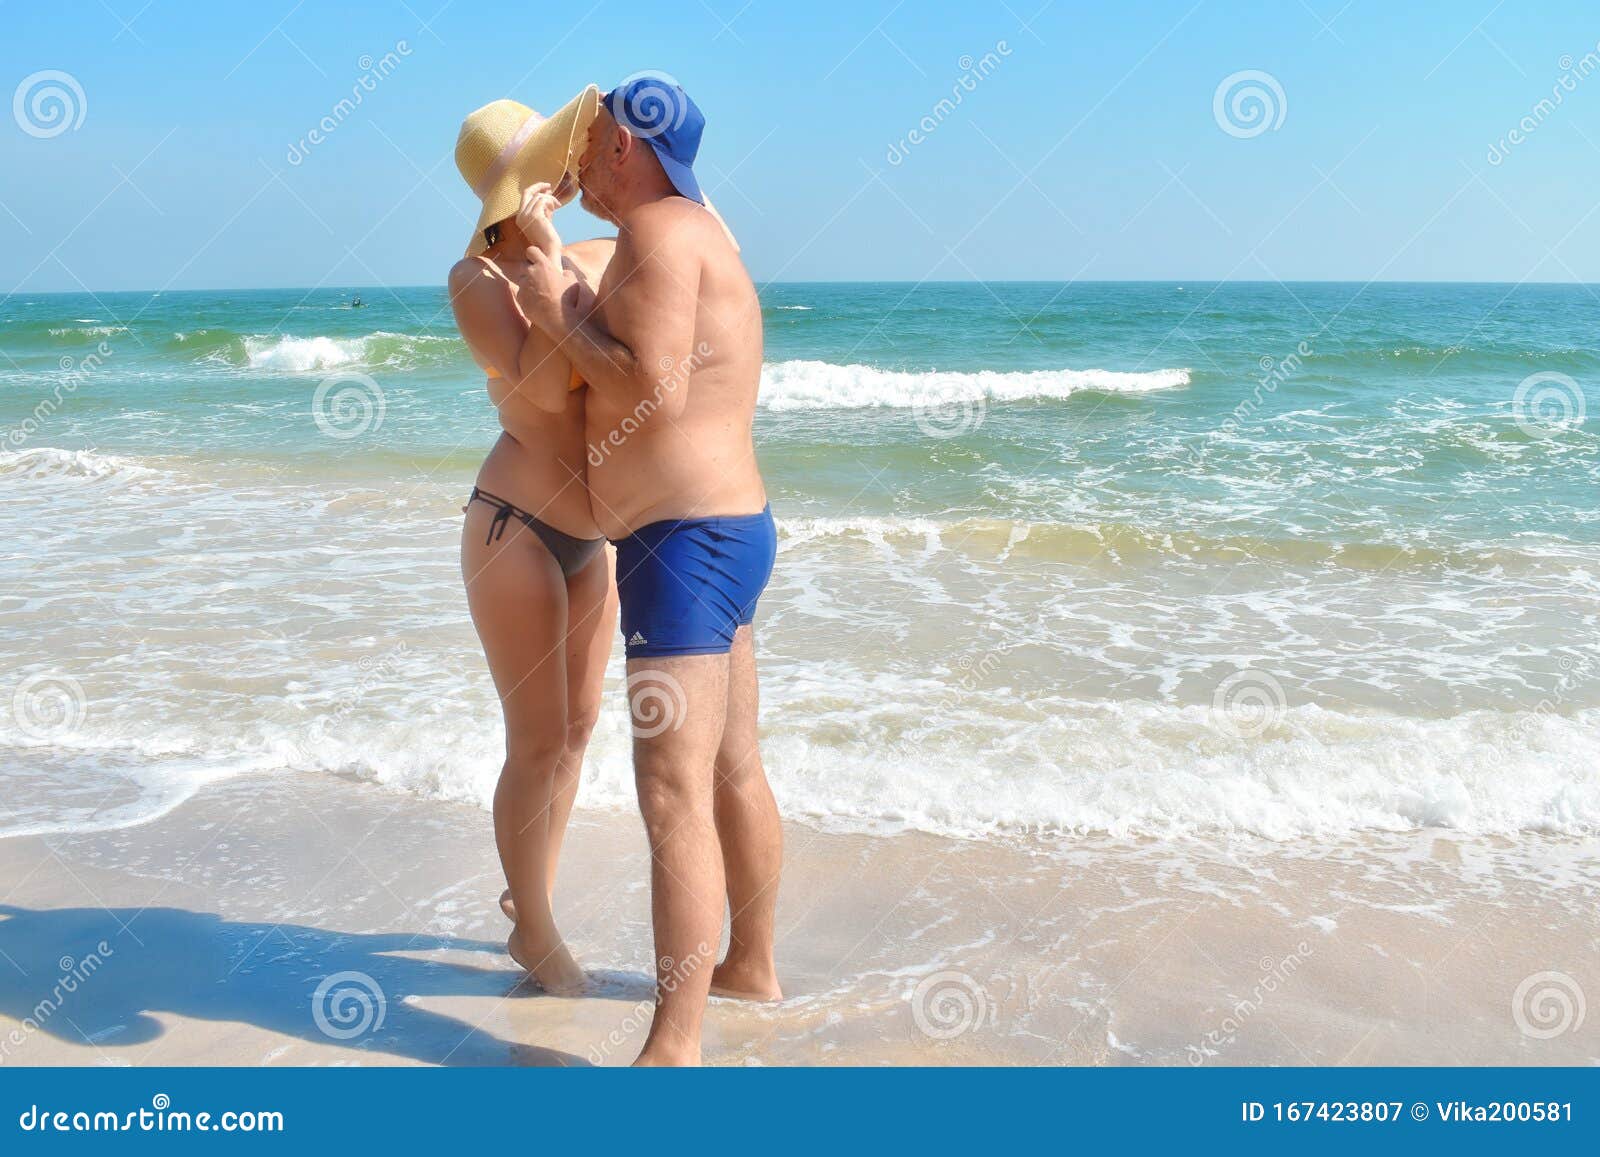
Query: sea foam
[[810, 385]]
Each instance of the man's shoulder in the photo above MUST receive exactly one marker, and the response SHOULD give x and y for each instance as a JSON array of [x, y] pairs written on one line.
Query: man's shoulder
[[668, 219]]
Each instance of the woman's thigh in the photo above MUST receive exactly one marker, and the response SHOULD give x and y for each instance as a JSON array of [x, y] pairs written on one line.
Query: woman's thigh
[[591, 630], [518, 601]]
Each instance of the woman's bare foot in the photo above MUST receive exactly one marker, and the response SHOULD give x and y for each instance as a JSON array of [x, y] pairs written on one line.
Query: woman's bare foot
[[549, 964], [744, 981], [509, 906]]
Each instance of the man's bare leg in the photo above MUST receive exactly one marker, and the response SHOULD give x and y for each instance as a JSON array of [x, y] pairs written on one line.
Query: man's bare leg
[[751, 837], [678, 707]]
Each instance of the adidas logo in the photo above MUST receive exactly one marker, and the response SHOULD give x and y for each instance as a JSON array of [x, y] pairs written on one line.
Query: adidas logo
[[638, 640]]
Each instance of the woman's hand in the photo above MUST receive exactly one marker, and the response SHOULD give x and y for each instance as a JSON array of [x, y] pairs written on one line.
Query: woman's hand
[[533, 218]]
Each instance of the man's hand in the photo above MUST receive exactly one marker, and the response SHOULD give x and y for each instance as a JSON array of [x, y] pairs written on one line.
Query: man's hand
[[540, 285]]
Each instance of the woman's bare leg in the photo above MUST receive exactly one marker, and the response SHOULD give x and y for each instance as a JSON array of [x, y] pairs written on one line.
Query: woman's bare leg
[[519, 607], [591, 627]]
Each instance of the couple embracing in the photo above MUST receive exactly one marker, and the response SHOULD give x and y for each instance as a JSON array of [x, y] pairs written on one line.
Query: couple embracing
[[624, 372]]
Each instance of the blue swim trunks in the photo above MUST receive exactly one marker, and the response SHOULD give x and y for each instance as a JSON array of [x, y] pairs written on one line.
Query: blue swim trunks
[[687, 585]]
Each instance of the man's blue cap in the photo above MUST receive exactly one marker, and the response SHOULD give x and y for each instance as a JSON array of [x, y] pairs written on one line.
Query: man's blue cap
[[655, 109]]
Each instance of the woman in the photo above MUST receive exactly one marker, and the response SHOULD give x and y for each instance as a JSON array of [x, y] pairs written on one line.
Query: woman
[[539, 581]]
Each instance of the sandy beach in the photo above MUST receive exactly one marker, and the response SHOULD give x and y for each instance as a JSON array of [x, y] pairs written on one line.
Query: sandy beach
[[202, 938]]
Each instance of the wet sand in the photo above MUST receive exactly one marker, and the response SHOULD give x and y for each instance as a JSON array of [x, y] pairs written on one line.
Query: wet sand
[[308, 920]]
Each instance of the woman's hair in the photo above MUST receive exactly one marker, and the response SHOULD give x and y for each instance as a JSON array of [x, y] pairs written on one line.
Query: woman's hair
[[491, 235]]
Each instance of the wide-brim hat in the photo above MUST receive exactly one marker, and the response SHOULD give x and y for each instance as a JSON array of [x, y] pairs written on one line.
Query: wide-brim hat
[[505, 146]]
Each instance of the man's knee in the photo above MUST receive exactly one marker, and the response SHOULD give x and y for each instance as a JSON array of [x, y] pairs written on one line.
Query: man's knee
[[738, 763], [669, 790]]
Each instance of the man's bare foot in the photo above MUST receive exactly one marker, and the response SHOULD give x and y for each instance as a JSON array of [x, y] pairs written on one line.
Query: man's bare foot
[[656, 1057], [743, 981], [552, 966]]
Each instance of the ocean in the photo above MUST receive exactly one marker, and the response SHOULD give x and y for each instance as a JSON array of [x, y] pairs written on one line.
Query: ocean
[[1143, 560]]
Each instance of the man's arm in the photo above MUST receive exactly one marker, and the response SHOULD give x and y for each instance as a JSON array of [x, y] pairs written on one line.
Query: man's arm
[[640, 332], [492, 327]]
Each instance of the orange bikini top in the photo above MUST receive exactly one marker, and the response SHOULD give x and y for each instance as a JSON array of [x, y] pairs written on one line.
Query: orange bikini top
[[575, 382]]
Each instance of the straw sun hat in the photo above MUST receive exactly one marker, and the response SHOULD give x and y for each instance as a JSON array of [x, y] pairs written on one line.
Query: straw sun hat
[[505, 146]]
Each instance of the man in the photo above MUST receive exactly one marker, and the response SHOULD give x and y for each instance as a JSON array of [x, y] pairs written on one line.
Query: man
[[669, 344]]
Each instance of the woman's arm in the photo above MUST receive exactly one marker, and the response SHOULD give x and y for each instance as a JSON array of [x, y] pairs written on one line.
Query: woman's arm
[[496, 332]]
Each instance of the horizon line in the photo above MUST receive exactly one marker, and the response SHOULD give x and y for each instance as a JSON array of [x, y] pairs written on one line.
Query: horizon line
[[1181, 282]]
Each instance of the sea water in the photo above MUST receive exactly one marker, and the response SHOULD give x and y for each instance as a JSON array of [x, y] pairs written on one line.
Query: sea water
[[1141, 559]]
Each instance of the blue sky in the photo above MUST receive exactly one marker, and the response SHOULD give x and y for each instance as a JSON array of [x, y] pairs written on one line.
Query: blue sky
[[1090, 149]]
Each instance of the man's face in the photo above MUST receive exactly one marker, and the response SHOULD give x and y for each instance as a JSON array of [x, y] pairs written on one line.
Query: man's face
[[597, 165]]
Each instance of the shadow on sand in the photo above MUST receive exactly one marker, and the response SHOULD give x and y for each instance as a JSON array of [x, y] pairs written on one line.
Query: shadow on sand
[[91, 975]]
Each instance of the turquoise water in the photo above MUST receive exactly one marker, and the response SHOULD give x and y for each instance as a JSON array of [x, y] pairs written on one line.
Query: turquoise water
[[1126, 557], [1403, 406]]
